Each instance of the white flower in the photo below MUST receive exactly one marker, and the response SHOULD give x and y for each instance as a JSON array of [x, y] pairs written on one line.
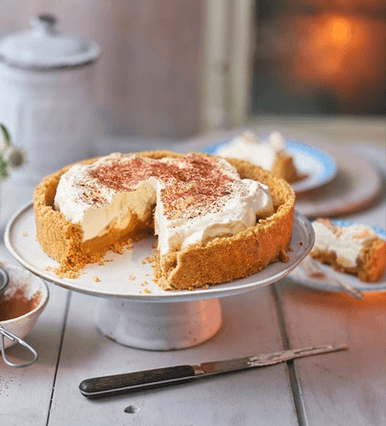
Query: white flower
[[15, 157], [11, 157]]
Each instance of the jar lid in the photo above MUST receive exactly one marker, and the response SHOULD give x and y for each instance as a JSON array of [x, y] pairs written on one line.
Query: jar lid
[[45, 48]]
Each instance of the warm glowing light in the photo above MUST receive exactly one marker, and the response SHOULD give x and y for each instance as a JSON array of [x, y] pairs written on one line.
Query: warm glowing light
[[339, 30], [335, 55], [336, 49], [339, 53], [328, 41]]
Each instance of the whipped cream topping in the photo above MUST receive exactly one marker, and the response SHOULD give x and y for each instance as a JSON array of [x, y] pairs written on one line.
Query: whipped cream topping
[[197, 198], [347, 242], [245, 200], [248, 147]]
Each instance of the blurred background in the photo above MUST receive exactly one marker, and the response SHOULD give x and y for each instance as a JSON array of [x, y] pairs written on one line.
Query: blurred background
[[174, 69], [320, 57]]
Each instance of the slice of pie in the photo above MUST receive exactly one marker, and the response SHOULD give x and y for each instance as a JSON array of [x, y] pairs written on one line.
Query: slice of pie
[[215, 220], [351, 248], [271, 154]]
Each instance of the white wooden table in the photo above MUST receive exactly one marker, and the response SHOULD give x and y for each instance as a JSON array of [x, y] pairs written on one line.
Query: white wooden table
[[344, 388]]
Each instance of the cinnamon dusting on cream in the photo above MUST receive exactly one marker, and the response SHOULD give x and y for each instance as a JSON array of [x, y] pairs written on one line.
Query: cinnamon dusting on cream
[[201, 180]]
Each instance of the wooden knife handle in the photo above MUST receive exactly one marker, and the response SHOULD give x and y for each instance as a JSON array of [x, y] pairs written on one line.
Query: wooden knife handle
[[119, 383]]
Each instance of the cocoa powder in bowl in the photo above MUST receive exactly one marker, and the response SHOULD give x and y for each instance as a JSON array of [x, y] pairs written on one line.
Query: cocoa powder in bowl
[[16, 304], [24, 300]]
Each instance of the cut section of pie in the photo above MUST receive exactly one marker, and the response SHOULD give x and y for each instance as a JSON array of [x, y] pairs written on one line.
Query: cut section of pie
[[271, 155], [215, 220], [351, 248]]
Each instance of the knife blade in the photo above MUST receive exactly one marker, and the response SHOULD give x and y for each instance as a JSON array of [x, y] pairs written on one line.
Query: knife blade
[[149, 379]]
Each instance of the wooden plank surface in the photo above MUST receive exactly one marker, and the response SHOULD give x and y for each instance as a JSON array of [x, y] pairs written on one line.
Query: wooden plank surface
[[250, 327], [337, 389], [346, 388], [25, 393]]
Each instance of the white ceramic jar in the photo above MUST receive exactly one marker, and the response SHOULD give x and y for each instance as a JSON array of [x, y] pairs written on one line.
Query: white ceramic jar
[[47, 96]]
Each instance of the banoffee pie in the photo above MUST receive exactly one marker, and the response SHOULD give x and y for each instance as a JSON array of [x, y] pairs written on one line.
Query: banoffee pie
[[350, 248], [271, 155], [216, 220]]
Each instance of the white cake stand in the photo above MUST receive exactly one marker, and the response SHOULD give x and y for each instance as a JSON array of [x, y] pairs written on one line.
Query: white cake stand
[[132, 309]]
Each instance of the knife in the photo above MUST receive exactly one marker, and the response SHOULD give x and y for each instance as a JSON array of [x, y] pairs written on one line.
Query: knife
[[149, 379]]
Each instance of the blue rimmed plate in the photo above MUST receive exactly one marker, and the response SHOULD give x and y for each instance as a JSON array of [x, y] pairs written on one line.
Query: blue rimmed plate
[[319, 167], [323, 282]]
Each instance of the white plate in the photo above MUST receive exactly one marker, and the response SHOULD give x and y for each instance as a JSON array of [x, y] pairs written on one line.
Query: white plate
[[319, 166], [323, 283], [20, 239], [300, 276]]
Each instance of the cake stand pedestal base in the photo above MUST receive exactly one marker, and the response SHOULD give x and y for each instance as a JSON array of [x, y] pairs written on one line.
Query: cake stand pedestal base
[[159, 326]]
